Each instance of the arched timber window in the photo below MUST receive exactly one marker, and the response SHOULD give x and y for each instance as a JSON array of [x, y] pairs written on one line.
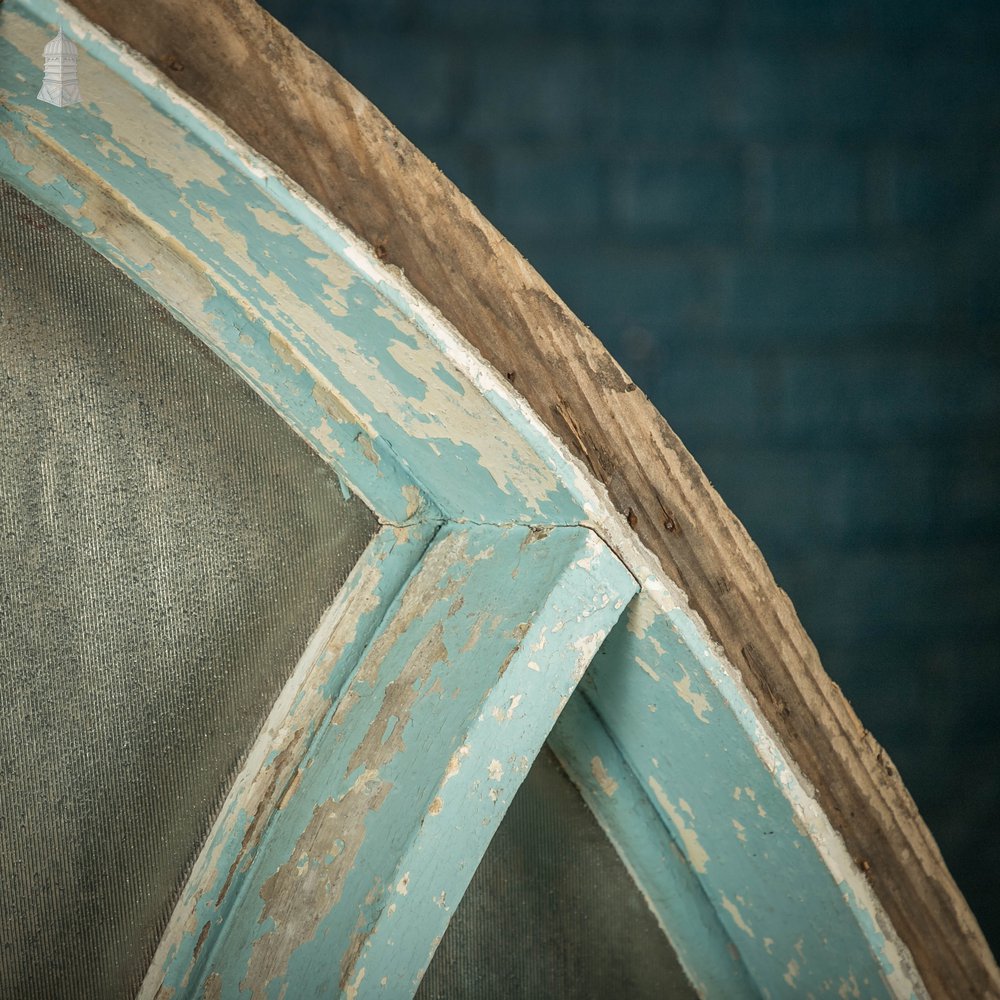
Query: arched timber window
[[523, 550]]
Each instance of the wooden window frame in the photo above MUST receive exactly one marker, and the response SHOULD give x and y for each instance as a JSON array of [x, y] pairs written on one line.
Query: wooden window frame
[[728, 841]]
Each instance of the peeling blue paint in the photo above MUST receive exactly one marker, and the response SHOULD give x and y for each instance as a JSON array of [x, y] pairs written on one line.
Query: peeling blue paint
[[728, 814], [395, 767], [623, 808], [270, 263], [384, 568]]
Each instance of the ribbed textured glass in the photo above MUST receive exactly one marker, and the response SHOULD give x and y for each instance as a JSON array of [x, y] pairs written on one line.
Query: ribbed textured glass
[[552, 912], [167, 546]]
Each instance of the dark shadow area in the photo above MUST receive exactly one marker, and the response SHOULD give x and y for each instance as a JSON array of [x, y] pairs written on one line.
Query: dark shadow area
[[552, 912]]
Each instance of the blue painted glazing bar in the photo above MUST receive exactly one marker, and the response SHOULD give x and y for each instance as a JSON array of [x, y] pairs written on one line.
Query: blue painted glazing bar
[[655, 689], [658, 866], [395, 799]]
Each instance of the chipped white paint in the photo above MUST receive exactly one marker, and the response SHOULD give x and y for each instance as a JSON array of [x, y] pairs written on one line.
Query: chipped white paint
[[731, 908], [456, 762], [689, 838], [412, 497], [586, 646], [791, 972], [506, 713], [351, 990], [642, 614], [608, 784], [698, 702], [647, 669]]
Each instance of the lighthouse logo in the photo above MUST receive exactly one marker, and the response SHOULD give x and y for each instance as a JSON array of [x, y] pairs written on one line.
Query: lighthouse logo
[[60, 86]]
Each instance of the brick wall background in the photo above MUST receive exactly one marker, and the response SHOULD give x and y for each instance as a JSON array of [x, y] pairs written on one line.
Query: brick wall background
[[783, 218]]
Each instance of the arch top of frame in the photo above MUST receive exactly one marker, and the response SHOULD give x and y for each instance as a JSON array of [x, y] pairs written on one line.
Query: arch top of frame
[[333, 338], [414, 418]]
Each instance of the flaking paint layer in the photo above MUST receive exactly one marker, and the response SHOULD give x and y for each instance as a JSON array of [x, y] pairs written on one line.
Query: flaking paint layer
[[269, 276], [405, 755]]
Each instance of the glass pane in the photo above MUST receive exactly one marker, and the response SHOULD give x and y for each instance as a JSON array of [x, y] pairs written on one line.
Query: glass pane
[[167, 546], [553, 912]]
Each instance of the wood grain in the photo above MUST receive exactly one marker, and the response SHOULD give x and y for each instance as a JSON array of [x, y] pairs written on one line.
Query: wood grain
[[286, 102]]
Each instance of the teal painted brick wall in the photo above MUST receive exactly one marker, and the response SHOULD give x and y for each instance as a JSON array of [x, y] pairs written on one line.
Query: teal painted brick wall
[[783, 217]]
